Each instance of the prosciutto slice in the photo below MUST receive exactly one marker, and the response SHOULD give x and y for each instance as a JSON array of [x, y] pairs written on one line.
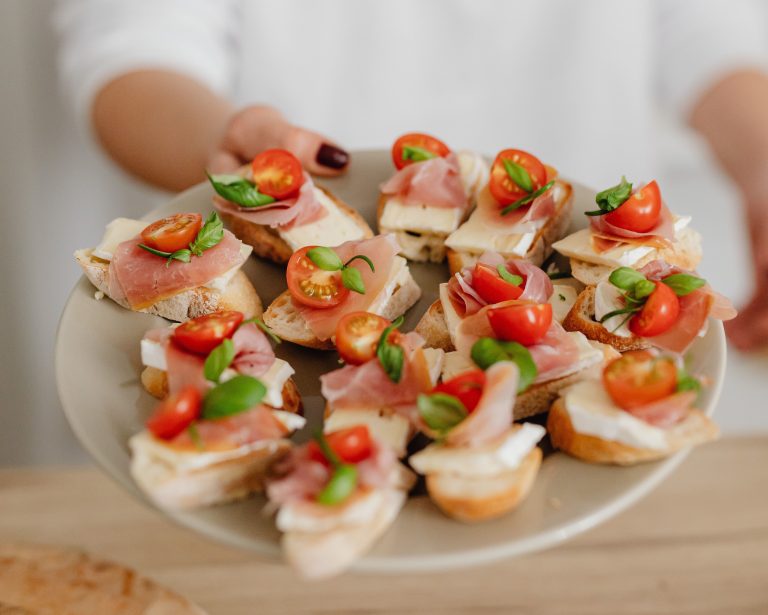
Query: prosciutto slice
[[382, 250], [666, 412], [435, 182], [526, 219], [142, 279], [241, 429], [493, 414], [606, 235], [298, 211], [253, 352]]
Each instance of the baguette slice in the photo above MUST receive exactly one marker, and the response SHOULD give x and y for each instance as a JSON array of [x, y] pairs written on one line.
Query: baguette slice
[[434, 329], [697, 428], [582, 318], [266, 241], [238, 295], [473, 499]]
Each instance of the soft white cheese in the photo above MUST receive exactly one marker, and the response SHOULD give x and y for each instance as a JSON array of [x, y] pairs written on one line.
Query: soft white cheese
[[399, 275], [608, 298], [291, 420], [117, 231], [391, 429], [221, 282], [476, 237], [456, 363], [434, 358], [593, 413], [562, 300], [474, 172], [489, 459], [310, 517], [398, 216], [331, 230]]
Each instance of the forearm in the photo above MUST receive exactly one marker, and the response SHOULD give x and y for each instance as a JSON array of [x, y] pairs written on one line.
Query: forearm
[[160, 126]]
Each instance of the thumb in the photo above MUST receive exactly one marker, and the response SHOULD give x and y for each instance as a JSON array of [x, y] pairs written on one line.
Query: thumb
[[318, 155]]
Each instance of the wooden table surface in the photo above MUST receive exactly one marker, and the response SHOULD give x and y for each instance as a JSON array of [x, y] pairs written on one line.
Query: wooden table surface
[[698, 544]]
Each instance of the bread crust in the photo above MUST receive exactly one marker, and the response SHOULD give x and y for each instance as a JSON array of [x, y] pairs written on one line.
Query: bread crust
[[433, 328]]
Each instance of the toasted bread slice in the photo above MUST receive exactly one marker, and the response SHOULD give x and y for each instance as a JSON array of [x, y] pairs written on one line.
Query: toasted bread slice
[[473, 499], [555, 228], [696, 428], [238, 295], [266, 241], [433, 328], [581, 317]]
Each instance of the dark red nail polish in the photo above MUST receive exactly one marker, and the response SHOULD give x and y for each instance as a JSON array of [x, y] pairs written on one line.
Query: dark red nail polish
[[332, 156]]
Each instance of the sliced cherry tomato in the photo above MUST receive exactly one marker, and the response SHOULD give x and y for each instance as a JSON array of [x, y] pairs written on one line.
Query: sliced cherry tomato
[[173, 233], [524, 322], [175, 413], [417, 139], [467, 387], [277, 173], [501, 185], [491, 287], [357, 336], [659, 313], [352, 445], [640, 212], [202, 334], [312, 286], [637, 378]]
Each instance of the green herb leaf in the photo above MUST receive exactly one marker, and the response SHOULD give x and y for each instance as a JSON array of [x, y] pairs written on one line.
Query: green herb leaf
[[232, 397], [239, 190], [194, 435], [625, 278], [440, 411], [341, 485], [218, 360], [182, 255], [353, 280], [391, 356], [626, 310], [264, 327], [362, 257], [642, 289], [486, 351], [518, 174], [611, 198], [527, 199], [509, 277], [683, 283], [328, 452], [562, 296], [686, 382], [417, 154], [209, 235], [325, 258]]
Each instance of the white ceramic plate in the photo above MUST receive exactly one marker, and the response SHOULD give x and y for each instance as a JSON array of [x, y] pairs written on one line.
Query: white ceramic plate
[[97, 369]]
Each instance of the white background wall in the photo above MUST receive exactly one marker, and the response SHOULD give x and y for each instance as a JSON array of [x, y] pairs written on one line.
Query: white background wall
[[57, 192]]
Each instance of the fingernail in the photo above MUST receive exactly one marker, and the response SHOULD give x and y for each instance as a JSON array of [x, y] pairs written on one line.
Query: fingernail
[[332, 156]]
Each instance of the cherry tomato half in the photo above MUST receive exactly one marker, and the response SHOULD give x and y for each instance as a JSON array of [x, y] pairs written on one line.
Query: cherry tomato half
[[491, 287], [175, 413], [640, 212], [467, 387], [637, 378], [312, 286], [524, 322], [659, 313], [202, 334], [501, 185], [173, 233], [417, 139], [352, 445], [357, 336], [277, 173]]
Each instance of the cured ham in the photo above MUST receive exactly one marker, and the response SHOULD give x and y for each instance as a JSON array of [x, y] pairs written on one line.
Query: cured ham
[[606, 236], [435, 182], [253, 352], [526, 219], [141, 279], [493, 414], [382, 250], [666, 412], [463, 297], [298, 211]]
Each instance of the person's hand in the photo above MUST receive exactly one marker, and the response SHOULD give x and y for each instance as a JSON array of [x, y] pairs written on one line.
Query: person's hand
[[255, 129]]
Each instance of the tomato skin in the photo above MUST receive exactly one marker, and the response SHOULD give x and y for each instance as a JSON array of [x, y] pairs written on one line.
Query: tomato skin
[[175, 413], [491, 287], [638, 378], [640, 212], [658, 314], [173, 233], [357, 336], [467, 387], [417, 139], [202, 334], [277, 173], [352, 445], [312, 286], [503, 189], [524, 322]]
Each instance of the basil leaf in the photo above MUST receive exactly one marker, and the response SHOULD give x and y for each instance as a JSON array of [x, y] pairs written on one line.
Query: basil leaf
[[527, 199], [625, 278], [686, 382], [626, 310], [683, 283], [239, 190], [361, 257], [264, 327], [325, 258], [509, 277], [643, 289], [353, 280], [328, 452], [209, 235], [417, 154], [194, 435], [218, 360], [182, 255], [232, 397], [440, 411], [611, 198], [391, 356], [518, 174], [486, 351], [341, 485]]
